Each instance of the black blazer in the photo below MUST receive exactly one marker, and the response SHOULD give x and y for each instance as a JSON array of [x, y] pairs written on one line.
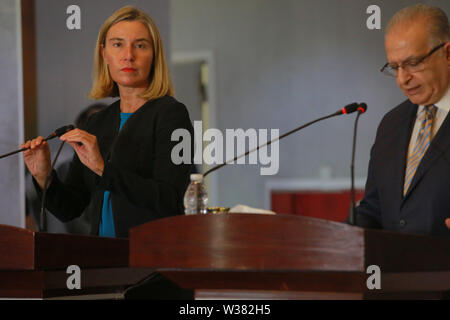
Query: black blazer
[[144, 182], [427, 204]]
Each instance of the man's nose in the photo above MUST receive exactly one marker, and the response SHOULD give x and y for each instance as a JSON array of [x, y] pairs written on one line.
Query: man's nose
[[403, 76]]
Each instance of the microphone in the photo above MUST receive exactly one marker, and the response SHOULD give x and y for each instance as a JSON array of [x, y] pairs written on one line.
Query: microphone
[[362, 107], [60, 131], [350, 108], [57, 133]]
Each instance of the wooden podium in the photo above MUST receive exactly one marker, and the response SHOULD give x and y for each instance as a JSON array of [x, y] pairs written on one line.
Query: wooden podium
[[289, 257], [33, 265]]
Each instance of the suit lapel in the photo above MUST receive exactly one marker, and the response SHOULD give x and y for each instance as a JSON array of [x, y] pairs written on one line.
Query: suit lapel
[[400, 145], [437, 148], [109, 136]]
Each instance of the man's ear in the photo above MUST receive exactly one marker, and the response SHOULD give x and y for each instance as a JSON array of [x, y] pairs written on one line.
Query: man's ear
[[447, 52]]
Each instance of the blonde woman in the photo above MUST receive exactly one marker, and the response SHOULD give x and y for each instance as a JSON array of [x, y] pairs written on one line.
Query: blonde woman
[[122, 173]]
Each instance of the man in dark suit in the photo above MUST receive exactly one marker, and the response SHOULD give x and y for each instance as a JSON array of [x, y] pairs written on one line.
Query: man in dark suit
[[408, 185]]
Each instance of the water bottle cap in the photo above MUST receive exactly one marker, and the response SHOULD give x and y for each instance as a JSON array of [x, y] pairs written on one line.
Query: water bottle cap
[[196, 177]]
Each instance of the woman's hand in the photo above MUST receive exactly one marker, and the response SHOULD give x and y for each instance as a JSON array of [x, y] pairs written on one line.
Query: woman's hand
[[37, 159], [86, 147]]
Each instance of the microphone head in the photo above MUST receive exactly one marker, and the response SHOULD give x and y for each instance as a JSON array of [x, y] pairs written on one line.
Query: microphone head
[[362, 107], [350, 108], [60, 131]]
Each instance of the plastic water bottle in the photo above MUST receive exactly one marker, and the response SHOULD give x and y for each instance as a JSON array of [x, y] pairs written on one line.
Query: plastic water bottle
[[196, 197]]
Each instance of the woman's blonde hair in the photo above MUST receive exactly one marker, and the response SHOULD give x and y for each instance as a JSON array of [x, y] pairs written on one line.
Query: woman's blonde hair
[[160, 83]]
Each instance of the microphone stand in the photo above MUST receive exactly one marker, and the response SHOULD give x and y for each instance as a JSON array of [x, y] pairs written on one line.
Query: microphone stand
[[352, 170], [42, 215], [346, 110], [270, 142], [57, 133]]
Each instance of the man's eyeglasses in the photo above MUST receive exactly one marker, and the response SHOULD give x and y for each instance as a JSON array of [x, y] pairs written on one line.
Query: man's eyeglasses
[[411, 66]]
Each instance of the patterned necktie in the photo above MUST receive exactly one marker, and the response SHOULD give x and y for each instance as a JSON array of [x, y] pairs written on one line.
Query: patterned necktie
[[422, 143]]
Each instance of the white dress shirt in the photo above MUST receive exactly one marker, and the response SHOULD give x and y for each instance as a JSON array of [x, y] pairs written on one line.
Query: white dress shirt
[[443, 107]]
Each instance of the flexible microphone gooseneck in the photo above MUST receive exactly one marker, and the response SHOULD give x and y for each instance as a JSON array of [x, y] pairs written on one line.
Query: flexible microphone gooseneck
[[57, 133], [361, 109], [42, 215], [346, 110]]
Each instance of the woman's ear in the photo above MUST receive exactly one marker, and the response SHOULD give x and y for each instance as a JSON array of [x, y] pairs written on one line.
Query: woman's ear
[[102, 53]]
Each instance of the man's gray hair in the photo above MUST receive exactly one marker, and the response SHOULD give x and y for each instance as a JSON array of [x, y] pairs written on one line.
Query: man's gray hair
[[436, 18]]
